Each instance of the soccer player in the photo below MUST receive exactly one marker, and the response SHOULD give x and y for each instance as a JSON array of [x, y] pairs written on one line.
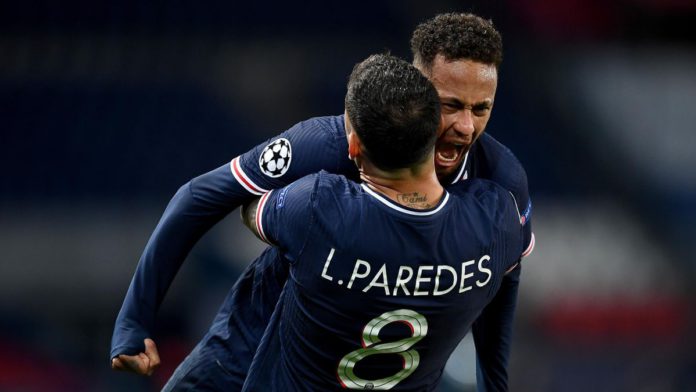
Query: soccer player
[[460, 53], [386, 276]]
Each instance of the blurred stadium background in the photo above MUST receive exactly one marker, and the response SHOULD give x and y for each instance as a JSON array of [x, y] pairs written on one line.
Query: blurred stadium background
[[107, 107]]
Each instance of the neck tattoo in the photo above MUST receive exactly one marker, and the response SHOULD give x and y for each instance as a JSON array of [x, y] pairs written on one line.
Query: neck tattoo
[[413, 200]]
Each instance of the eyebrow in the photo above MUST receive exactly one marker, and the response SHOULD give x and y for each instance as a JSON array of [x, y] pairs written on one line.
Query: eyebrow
[[483, 104], [460, 104]]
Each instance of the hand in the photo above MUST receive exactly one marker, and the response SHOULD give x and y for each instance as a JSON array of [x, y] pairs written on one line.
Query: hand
[[143, 363]]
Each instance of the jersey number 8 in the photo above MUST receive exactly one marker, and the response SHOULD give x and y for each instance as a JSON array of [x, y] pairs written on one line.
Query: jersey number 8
[[371, 346]]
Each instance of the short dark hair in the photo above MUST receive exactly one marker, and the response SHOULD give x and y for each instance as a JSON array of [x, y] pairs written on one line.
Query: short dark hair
[[395, 111], [456, 36]]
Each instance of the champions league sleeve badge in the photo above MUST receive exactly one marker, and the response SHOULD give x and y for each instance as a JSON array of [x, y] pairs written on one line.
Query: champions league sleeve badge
[[275, 158]]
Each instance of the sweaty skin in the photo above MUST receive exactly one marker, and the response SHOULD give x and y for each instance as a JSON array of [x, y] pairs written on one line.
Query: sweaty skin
[[467, 92]]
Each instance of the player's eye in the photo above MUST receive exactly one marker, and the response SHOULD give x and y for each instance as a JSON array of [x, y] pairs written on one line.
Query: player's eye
[[449, 107], [481, 110]]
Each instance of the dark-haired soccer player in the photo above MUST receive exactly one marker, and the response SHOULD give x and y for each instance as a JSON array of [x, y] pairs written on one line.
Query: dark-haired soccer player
[[460, 53], [368, 259]]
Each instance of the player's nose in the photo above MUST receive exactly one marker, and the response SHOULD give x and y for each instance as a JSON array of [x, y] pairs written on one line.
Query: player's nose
[[464, 124]]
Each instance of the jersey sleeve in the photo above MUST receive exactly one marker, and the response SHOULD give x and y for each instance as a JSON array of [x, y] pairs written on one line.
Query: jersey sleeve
[[523, 202], [489, 159], [492, 330], [308, 147], [492, 333], [284, 217], [510, 234], [511, 175], [198, 205], [193, 210]]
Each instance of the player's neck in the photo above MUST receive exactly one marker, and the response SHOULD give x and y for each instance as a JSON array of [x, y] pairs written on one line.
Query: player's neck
[[416, 188]]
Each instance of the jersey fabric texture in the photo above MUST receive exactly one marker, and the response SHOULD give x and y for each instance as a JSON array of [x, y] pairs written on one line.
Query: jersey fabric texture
[[379, 295]]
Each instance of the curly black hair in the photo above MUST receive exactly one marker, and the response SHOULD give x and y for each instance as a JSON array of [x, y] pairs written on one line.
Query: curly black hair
[[456, 36], [395, 111]]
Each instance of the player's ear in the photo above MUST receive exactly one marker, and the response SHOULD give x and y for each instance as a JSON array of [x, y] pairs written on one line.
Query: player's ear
[[354, 145]]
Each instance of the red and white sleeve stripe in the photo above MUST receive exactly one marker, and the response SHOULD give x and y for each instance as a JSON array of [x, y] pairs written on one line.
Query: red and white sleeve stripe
[[259, 216], [530, 247], [244, 180], [526, 253]]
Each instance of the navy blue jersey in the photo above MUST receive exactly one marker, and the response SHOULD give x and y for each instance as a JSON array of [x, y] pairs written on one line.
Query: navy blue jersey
[[379, 294], [310, 146], [320, 144], [306, 148]]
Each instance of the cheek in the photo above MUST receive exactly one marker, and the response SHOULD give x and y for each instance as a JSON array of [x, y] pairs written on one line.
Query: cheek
[[446, 121], [480, 124]]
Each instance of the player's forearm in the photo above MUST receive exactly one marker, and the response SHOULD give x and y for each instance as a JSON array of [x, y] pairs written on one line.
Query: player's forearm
[[492, 333], [248, 214], [194, 209]]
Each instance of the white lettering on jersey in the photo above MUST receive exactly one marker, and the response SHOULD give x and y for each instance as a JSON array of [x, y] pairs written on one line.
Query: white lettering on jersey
[[423, 284], [465, 276], [486, 271], [400, 281], [355, 274], [420, 279], [326, 266], [382, 273], [452, 271]]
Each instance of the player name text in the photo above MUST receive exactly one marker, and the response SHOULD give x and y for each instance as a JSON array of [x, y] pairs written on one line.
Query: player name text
[[413, 281]]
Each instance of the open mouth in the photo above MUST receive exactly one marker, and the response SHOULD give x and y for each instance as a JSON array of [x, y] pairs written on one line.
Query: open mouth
[[448, 154]]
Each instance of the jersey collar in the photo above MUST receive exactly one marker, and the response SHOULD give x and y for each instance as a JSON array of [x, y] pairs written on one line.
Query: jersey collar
[[462, 174], [405, 210]]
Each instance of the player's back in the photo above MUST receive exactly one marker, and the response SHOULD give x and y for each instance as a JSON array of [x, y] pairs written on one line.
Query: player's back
[[379, 294]]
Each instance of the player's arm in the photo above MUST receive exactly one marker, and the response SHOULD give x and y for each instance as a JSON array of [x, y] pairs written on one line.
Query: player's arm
[[195, 208], [492, 330], [199, 204], [282, 217], [248, 214]]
